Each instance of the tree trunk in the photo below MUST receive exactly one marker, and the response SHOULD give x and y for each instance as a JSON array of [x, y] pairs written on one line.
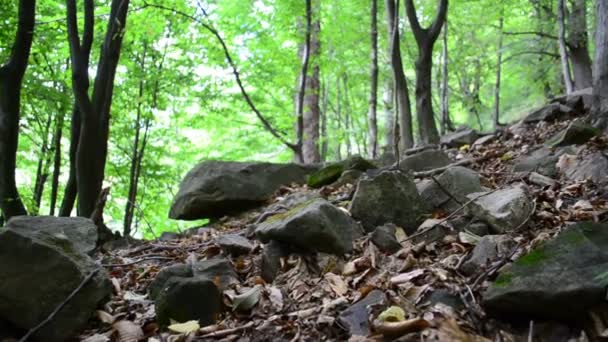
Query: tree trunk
[[389, 115], [403, 111], [299, 156], [578, 45], [347, 118], [496, 116], [373, 96], [11, 78], [71, 187], [324, 141], [310, 143], [600, 66], [446, 122], [56, 161], [42, 172], [425, 39], [561, 9]]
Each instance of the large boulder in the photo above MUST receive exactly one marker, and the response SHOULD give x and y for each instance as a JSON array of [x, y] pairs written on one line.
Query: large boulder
[[217, 188], [333, 171], [39, 269], [576, 133], [456, 182], [593, 166], [389, 197], [425, 160], [561, 279], [504, 210], [316, 226], [543, 161], [550, 112], [462, 136]]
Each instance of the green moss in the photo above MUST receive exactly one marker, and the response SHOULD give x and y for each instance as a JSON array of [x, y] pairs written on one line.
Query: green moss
[[573, 237], [290, 212], [503, 279], [326, 175], [533, 258]]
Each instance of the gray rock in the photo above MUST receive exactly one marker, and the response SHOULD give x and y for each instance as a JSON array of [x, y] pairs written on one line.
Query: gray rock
[[333, 171], [550, 112], [314, 226], [39, 269], [217, 188], [425, 160], [185, 299], [271, 259], [593, 166], [463, 136], [169, 236], [542, 161], [390, 197], [456, 181], [348, 177], [445, 297], [484, 140], [575, 134], [562, 279], [80, 231], [161, 279], [293, 200], [234, 244], [505, 210], [431, 231], [580, 101], [538, 179], [489, 249], [355, 318], [474, 226], [384, 238]]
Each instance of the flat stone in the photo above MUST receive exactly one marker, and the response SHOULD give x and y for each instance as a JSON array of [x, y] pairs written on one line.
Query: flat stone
[[355, 318], [575, 134], [186, 299], [384, 238], [542, 161], [550, 112], [593, 166], [484, 140], [561, 279], [456, 182], [489, 249], [234, 244], [389, 197], [461, 137], [538, 179], [504, 210], [424, 161]]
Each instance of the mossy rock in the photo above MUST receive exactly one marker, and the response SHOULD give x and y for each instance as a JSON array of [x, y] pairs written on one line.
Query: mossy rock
[[575, 134], [570, 271], [333, 171]]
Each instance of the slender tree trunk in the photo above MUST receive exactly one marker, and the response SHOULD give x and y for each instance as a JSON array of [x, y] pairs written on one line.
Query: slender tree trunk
[[561, 9], [11, 78], [56, 160], [496, 116], [299, 156], [324, 140], [71, 187], [42, 172], [403, 112], [310, 143], [425, 39], [347, 118], [373, 96], [339, 119], [446, 122], [600, 66], [389, 115], [578, 45]]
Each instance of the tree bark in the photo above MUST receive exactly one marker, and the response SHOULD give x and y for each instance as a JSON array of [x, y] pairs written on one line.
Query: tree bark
[[403, 111], [324, 140], [71, 187], [373, 96], [42, 172], [56, 161], [561, 9], [299, 157], [311, 115], [347, 118], [600, 66], [11, 78], [578, 45], [389, 115], [425, 39], [446, 122], [496, 116], [95, 111]]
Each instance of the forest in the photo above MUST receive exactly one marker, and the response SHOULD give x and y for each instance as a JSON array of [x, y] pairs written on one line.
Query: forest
[[362, 157]]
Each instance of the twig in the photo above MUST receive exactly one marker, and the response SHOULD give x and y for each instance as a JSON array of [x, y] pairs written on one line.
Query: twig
[[225, 332], [155, 257], [531, 332], [422, 174], [491, 270], [59, 307]]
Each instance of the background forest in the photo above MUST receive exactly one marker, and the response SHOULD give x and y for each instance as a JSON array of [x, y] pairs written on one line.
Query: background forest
[[176, 100]]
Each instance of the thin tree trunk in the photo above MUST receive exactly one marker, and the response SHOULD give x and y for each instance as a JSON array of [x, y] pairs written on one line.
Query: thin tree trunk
[[403, 111], [389, 116], [347, 118], [43, 166], [578, 45], [373, 96], [302, 88], [446, 122], [561, 9], [324, 140], [11, 78], [310, 142], [71, 187], [56, 160], [496, 116], [600, 66], [339, 118]]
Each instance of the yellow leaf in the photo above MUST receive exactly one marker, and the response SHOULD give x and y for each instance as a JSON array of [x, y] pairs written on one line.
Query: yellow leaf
[[185, 328], [392, 314]]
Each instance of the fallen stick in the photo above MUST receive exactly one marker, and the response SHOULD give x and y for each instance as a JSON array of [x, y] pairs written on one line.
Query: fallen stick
[[422, 174], [226, 332], [156, 257], [59, 307]]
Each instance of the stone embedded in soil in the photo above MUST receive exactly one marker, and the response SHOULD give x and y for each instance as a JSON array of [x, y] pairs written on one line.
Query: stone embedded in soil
[[562, 279], [550, 112], [384, 238], [389, 197], [186, 299], [504, 210], [431, 230], [489, 249], [316, 226], [271, 259], [463, 136], [542, 161], [425, 160], [234, 244], [538, 179], [457, 181], [333, 171], [39, 269], [593, 166], [575, 134], [355, 318]]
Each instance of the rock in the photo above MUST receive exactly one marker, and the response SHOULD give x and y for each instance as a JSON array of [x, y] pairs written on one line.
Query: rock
[[541, 161], [575, 134], [332, 172], [538, 179], [593, 166], [384, 238], [474, 226], [316, 225], [550, 112], [234, 244], [431, 231], [39, 270], [458, 181], [505, 210], [580, 101], [185, 299], [217, 188], [561, 279], [348, 177], [389, 197], [218, 270], [489, 249], [271, 259], [484, 140], [293, 200], [169, 236], [80, 231], [355, 318], [462, 136], [425, 160], [445, 297]]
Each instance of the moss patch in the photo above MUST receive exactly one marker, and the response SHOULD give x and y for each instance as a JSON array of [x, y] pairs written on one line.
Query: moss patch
[[533, 258], [290, 212], [503, 279], [326, 175]]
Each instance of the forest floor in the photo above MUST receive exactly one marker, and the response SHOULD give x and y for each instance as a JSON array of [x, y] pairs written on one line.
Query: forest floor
[[303, 303]]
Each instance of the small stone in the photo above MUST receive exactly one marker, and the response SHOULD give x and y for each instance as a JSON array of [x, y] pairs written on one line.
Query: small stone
[[575, 134], [454, 185], [355, 318], [505, 210], [538, 179], [424, 161], [489, 249], [168, 236], [234, 244], [463, 136], [271, 259], [430, 231], [333, 171], [185, 299], [484, 140], [348, 177], [384, 238]]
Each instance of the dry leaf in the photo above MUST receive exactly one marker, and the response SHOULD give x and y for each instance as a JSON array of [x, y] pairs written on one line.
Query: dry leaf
[[246, 301], [392, 314], [337, 284], [185, 328], [127, 331], [105, 317], [405, 277], [396, 329]]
